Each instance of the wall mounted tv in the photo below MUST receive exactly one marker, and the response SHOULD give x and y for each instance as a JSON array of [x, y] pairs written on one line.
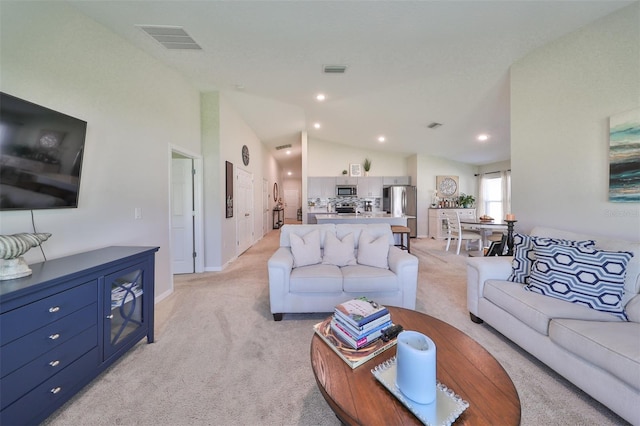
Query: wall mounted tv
[[40, 156]]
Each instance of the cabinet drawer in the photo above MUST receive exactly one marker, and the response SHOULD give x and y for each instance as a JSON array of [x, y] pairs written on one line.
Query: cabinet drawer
[[44, 398], [26, 349], [18, 322], [21, 381]]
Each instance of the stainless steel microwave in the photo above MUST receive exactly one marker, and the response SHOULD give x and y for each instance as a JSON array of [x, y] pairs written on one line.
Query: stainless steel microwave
[[346, 190]]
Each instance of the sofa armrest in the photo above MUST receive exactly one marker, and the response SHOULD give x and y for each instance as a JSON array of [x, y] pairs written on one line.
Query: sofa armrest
[[481, 269], [280, 265], [405, 266]]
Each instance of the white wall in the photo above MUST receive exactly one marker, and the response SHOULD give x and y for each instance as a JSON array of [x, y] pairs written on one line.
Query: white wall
[[56, 57], [330, 159], [562, 96], [224, 132], [427, 167]]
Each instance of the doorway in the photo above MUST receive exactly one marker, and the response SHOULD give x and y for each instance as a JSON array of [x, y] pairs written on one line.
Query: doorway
[[187, 252], [265, 207], [244, 201], [291, 203]]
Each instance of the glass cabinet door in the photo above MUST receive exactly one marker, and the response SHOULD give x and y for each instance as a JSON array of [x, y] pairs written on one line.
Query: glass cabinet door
[[125, 318]]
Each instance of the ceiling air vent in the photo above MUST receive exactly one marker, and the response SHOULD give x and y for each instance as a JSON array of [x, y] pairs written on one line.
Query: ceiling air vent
[[334, 69], [434, 125], [174, 38], [283, 146]]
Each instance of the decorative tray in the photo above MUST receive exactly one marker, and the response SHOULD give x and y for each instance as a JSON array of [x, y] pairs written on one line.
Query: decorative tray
[[443, 411]]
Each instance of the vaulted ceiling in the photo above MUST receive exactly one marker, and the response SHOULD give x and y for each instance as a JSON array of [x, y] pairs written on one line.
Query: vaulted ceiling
[[409, 64]]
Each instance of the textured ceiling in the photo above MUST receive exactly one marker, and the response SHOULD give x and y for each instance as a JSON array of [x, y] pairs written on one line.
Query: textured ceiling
[[409, 63]]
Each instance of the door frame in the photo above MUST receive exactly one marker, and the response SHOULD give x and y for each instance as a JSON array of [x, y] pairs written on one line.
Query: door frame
[[198, 205]]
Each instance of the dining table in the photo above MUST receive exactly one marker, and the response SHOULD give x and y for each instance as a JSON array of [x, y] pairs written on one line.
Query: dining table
[[487, 227]]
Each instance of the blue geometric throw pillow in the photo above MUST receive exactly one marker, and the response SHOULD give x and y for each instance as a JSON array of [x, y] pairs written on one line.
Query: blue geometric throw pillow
[[524, 255], [593, 278]]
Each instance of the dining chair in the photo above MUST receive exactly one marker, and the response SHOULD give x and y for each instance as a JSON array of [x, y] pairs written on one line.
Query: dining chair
[[455, 230]]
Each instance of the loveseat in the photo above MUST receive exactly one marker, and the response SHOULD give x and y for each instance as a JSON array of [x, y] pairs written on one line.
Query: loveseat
[[571, 301], [317, 267]]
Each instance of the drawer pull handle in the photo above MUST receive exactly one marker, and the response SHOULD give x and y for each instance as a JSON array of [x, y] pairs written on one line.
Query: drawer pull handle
[[56, 390], [110, 316], [54, 336], [54, 363], [54, 309]]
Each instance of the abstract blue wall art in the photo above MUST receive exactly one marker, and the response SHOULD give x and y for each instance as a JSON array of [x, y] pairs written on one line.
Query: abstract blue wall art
[[624, 157]]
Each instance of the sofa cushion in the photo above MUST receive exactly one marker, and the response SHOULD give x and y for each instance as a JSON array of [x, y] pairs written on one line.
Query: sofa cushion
[[300, 230], [339, 253], [524, 255], [373, 251], [375, 229], [360, 278], [632, 280], [316, 279], [594, 278], [610, 346], [632, 309], [306, 249], [536, 310]]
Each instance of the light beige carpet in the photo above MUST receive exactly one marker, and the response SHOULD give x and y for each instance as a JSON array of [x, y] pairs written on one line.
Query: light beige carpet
[[220, 359]]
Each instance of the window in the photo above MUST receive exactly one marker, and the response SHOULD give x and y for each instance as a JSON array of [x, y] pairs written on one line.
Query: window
[[492, 197], [495, 194]]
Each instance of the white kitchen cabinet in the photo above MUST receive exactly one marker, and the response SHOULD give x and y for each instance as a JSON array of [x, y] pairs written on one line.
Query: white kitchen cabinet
[[346, 180], [396, 180], [370, 187], [438, 224], [321, 187]]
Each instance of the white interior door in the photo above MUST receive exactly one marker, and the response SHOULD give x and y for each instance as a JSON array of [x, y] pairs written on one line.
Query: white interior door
[[291, 201], [265, 207], [182, 237], [244, 199]]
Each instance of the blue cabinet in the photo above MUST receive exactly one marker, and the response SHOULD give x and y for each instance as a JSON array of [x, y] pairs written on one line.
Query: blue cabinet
[[66, 323]]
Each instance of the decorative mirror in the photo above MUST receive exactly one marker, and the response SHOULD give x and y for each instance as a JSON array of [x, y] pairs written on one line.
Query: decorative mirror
[[275, 191]]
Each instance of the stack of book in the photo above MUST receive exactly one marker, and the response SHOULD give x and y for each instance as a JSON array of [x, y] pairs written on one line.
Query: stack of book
[[359, 322], [355, 329]]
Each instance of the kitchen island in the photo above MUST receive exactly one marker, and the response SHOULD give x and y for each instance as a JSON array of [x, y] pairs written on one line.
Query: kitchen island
[[363, 218]]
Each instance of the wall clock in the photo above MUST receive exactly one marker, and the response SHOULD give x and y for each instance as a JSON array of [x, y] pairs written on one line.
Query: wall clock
[[245, 155], [447, 186]]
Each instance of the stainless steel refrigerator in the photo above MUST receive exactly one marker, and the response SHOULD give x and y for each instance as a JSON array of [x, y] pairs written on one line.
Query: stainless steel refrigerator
[[401, 200]]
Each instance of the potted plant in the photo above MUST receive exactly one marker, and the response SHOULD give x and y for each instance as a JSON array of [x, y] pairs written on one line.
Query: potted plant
[[466, 201], [366, 166]]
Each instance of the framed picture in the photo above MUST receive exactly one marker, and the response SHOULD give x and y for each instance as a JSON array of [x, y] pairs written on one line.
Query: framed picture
[[624, 155], [447, 186], [355, 170]]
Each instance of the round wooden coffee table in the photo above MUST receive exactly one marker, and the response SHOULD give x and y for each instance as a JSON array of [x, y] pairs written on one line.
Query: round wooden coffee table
[[463, 366]]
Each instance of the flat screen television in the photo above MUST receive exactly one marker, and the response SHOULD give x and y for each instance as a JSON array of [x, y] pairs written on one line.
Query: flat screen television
[[40, 156]]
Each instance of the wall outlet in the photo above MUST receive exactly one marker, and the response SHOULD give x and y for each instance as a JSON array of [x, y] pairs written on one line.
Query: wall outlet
[[137, 213]]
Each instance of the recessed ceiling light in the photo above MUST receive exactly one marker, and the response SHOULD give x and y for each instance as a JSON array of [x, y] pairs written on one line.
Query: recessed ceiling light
[[288, 152], [289, 173], [321, 97], [316, 125], [381, 139], [483, 137]]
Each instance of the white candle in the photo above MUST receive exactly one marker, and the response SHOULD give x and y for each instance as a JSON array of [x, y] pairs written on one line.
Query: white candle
[[511, 216], [416, 367]]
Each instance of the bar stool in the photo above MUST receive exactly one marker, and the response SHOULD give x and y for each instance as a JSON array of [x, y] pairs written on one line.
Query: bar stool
[[402, 231]]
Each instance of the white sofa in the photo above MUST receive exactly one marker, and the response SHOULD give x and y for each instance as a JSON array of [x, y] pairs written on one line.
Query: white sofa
[[595, 350], [320, 287]]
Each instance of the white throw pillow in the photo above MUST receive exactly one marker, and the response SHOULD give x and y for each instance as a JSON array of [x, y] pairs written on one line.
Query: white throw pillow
[[373, 252], [306, 249], [339, 253]]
